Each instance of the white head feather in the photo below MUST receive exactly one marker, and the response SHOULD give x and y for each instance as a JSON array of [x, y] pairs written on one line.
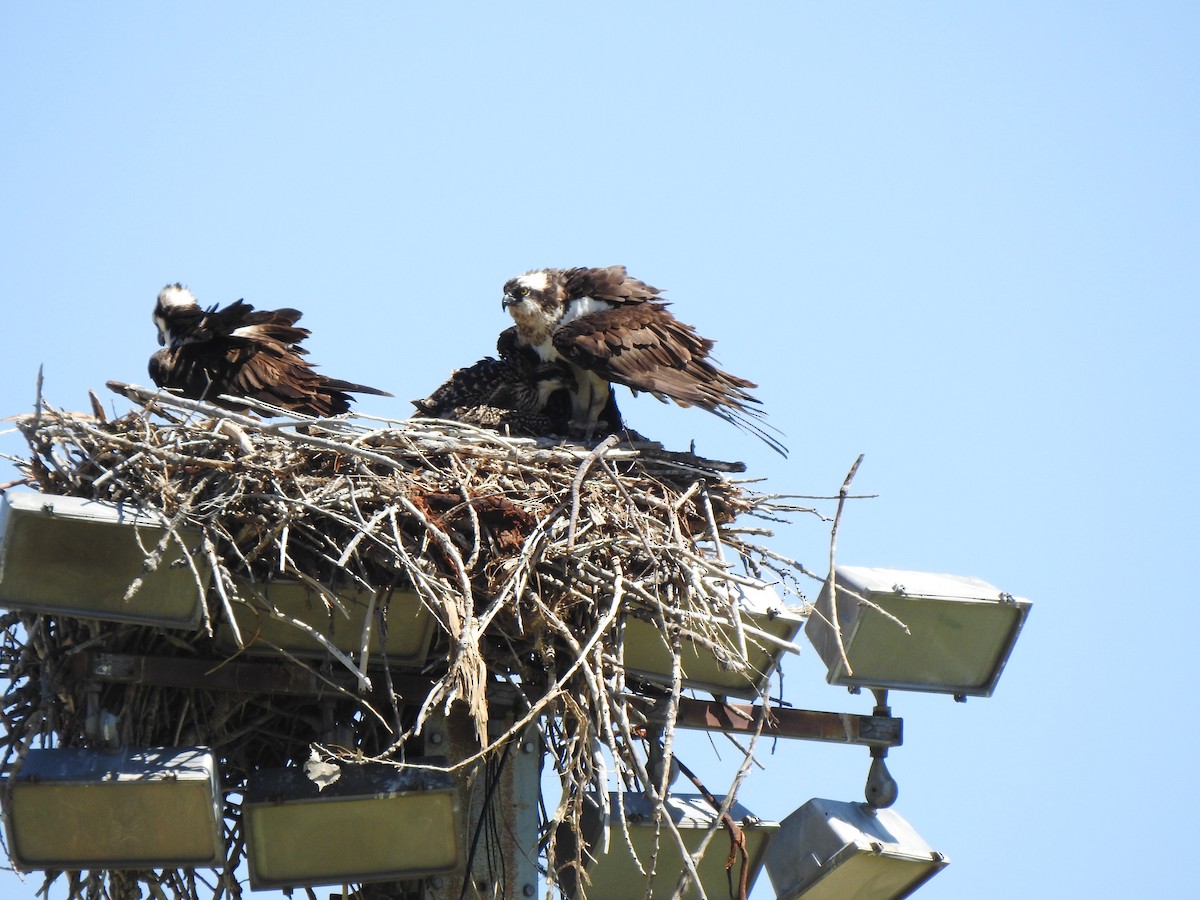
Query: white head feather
[[535, 281], [177, 296]]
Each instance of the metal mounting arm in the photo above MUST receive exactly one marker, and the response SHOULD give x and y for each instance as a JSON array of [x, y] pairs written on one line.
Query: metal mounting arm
[[802, 724]]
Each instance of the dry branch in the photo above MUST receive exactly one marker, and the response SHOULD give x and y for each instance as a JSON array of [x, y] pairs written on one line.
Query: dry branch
[[529, 554]]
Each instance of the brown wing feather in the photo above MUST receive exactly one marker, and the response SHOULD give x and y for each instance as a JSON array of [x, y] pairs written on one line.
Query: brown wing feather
[[642, 346], [254, 324], [646, 348], [611, 283], [267, 371], [275, 374]]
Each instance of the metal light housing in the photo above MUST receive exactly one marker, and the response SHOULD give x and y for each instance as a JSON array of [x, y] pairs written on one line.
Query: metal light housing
[[140, 808], [714, 669], [376, 822], [961, 630], [337, 613], [830, 850], [79, 557], [616, 875]]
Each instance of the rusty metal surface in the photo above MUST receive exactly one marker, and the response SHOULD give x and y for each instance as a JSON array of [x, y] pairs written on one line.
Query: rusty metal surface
[[801, 724]]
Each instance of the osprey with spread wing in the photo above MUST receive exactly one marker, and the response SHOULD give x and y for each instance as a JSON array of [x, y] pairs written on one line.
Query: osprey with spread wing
[[613, 329], [243, 352]]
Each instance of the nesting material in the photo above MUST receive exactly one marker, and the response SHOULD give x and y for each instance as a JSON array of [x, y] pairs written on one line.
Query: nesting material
[[527, 556]]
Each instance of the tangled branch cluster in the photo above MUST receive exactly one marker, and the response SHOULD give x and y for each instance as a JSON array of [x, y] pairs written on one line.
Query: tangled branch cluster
[[531, 557]]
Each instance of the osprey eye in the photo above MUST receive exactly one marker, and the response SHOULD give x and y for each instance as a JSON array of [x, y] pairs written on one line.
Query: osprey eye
[[524, 292]]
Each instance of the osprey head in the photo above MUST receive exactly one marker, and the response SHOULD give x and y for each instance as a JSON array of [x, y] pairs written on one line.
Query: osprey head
[[533, 289], [172, 300], [535, 301]]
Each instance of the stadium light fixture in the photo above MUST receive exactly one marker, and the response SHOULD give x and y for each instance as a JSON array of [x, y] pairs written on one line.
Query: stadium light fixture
[[617, 873], [828, 850], [73, 808], [337, 613], [961, 630], [375, 822], [768, 628], [82, 558]]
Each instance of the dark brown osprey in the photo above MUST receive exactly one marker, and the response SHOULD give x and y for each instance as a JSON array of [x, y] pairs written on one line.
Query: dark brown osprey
[[613, 329], [243, 352], [517, 393], [510, 394]]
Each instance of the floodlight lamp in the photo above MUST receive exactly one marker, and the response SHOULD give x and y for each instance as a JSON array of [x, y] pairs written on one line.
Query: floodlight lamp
[[153, 808], [830, 850], [617, 875], [376, 822], [401, 624], [914, 631], [98, 560], [742, 655]]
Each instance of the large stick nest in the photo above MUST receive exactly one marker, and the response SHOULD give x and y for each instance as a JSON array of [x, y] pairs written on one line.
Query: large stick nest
[[531, 557]]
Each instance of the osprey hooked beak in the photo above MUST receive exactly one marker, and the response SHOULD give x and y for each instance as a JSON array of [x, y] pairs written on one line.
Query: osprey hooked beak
[[513, 296]]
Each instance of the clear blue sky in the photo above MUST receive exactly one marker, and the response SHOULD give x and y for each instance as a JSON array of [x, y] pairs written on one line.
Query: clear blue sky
[[959, 238]]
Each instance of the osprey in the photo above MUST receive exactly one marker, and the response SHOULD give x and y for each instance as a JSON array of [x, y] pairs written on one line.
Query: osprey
[[511, 395], [517, 393], [609, 329], [243, 352]]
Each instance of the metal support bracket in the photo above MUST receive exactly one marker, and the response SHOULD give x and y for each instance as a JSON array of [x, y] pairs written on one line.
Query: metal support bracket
[[785, 722]]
